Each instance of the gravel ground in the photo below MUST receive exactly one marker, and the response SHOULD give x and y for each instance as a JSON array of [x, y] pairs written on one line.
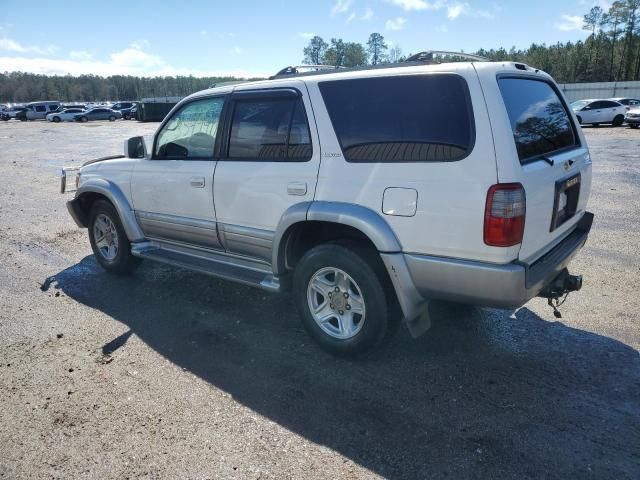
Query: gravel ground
[[172, 374]]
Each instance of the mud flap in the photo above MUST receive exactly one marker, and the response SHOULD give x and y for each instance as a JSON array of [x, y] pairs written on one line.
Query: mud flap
[[421, 324]]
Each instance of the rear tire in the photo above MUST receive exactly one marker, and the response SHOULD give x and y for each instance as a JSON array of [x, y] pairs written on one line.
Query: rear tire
[[84, 119], [112, 118], [109, 241], [342, 301], [618, 120]]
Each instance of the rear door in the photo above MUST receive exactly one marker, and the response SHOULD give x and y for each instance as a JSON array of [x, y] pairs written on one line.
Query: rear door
[[539, 145]]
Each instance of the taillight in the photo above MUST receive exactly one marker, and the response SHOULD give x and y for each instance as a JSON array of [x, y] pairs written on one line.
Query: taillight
[[504, 215]]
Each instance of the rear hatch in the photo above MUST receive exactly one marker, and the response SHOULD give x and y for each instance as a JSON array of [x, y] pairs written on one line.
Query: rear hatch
[[540, 145]]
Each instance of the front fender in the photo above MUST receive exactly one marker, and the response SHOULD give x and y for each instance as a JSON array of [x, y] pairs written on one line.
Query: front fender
[[113, 193]]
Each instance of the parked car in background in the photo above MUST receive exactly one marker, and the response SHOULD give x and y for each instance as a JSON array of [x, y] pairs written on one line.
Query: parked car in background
[[37, 110], [596, 112], [11, 112], [627, 102], [120, 106], [65, 115], [127, 113], [98, 113], [633, 117]]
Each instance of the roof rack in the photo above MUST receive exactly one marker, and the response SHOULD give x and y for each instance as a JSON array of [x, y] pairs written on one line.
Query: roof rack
[[298, 69], [430, 56]]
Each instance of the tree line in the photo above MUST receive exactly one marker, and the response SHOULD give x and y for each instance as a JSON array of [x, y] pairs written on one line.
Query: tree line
[[611, 52]]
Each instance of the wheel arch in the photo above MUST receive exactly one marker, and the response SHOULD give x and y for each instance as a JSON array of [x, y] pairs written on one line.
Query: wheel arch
[[354, 221], [95, 189]]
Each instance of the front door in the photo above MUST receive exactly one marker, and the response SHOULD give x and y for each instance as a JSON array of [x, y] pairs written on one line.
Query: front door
[[172, 191], [270, 162]]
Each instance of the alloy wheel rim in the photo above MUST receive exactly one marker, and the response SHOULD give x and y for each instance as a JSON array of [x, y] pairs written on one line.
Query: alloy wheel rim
[[105, 237], [336, 303]]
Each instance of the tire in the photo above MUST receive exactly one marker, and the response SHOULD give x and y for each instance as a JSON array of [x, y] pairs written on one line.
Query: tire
[[633, 125], [112, 249], [56, 119], [360, 286], [84, 119], [618, 120], [112, 118]]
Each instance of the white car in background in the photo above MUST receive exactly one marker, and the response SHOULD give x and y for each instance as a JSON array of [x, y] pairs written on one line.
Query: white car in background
[[629, 103], [633, 117], [67, 115], [596, 112]]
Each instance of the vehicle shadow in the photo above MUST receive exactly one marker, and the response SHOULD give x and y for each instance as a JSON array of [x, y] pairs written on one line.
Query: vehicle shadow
[[482, 395]]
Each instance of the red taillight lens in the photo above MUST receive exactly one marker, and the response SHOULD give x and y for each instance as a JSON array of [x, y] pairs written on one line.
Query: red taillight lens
[[504, 215]]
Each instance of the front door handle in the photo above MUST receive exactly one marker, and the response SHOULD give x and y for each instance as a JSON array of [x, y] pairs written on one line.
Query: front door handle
[[197, 182], [297, 188]]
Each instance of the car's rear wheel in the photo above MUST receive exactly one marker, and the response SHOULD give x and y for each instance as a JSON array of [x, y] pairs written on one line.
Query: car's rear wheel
[[342, 301], [84, 119], [112, 118], [618, 120], [108, 239]]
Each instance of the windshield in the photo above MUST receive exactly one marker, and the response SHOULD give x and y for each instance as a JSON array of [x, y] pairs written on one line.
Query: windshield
[[577, 105]]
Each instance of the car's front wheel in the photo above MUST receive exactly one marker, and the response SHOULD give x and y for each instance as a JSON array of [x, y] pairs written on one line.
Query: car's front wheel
[[56, 119], [618, 120], [343, 303], [112, 118], [84, 119], [108, 239]]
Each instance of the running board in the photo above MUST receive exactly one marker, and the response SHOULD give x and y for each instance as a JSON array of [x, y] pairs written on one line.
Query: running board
[[214, 264]]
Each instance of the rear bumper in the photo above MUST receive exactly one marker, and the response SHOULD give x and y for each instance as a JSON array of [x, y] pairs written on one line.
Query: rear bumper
[[488, 285]]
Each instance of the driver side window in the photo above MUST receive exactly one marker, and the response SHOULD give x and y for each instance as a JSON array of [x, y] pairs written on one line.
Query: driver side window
[[191, 133]]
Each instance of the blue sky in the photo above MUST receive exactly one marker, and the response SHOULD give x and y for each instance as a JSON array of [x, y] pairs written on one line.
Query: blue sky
[[257, 38]]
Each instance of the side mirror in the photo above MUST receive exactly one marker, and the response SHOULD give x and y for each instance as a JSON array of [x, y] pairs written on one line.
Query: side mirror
[[135, 148]]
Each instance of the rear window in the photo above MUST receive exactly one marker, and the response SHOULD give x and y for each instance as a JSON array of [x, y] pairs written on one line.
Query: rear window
[[417, 118], [539, 120]]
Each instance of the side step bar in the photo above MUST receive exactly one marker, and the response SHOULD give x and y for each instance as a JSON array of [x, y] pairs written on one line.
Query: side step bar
[[209, 263]]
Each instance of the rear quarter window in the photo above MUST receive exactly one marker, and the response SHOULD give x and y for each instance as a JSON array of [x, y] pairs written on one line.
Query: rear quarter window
[[539, 119], [410, 118]]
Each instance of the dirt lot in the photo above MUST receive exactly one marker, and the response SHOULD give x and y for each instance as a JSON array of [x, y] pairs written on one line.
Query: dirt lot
[[172, 374]]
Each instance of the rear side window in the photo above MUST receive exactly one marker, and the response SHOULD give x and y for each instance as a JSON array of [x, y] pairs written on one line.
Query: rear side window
[[416, 118], [41, 108], [270, 129], [539, 119]]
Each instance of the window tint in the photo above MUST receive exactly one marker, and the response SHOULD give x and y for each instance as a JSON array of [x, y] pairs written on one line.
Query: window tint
[[401, 119], [607, 104], [270, 129], [538, 117], [597, 105], [191, 131], [41, 108]]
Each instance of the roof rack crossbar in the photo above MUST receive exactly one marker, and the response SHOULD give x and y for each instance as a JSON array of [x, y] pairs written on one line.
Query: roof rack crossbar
[[296, 69], [429, 56]]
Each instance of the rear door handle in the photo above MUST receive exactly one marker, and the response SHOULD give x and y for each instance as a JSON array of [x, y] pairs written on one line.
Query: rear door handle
[[297, 188], [197, 182]]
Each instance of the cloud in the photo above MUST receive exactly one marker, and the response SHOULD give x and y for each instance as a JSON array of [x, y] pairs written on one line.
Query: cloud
[[351, 18], [80, 55], [570, 22], [341, 6], [236, 50], [395, 24], [368, 15], [51, 66], [307, 35], [454, 9], [10, 45], [136, 58]]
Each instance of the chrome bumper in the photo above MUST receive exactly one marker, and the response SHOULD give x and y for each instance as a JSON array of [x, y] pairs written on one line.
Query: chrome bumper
[[477, 283]]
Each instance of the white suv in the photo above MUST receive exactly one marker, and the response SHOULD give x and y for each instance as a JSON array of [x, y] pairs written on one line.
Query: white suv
[[368, 192]]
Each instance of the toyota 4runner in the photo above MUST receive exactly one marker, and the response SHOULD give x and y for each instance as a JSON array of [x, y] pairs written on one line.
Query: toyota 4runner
[[367, 192]]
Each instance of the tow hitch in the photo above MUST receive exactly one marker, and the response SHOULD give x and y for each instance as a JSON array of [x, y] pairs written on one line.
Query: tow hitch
[[561, 287]]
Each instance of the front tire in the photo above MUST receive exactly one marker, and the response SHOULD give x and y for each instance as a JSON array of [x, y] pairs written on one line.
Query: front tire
[[618, 120], [342, 301], [56, 119], [84, 119], [109, 241], [112, 118]]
